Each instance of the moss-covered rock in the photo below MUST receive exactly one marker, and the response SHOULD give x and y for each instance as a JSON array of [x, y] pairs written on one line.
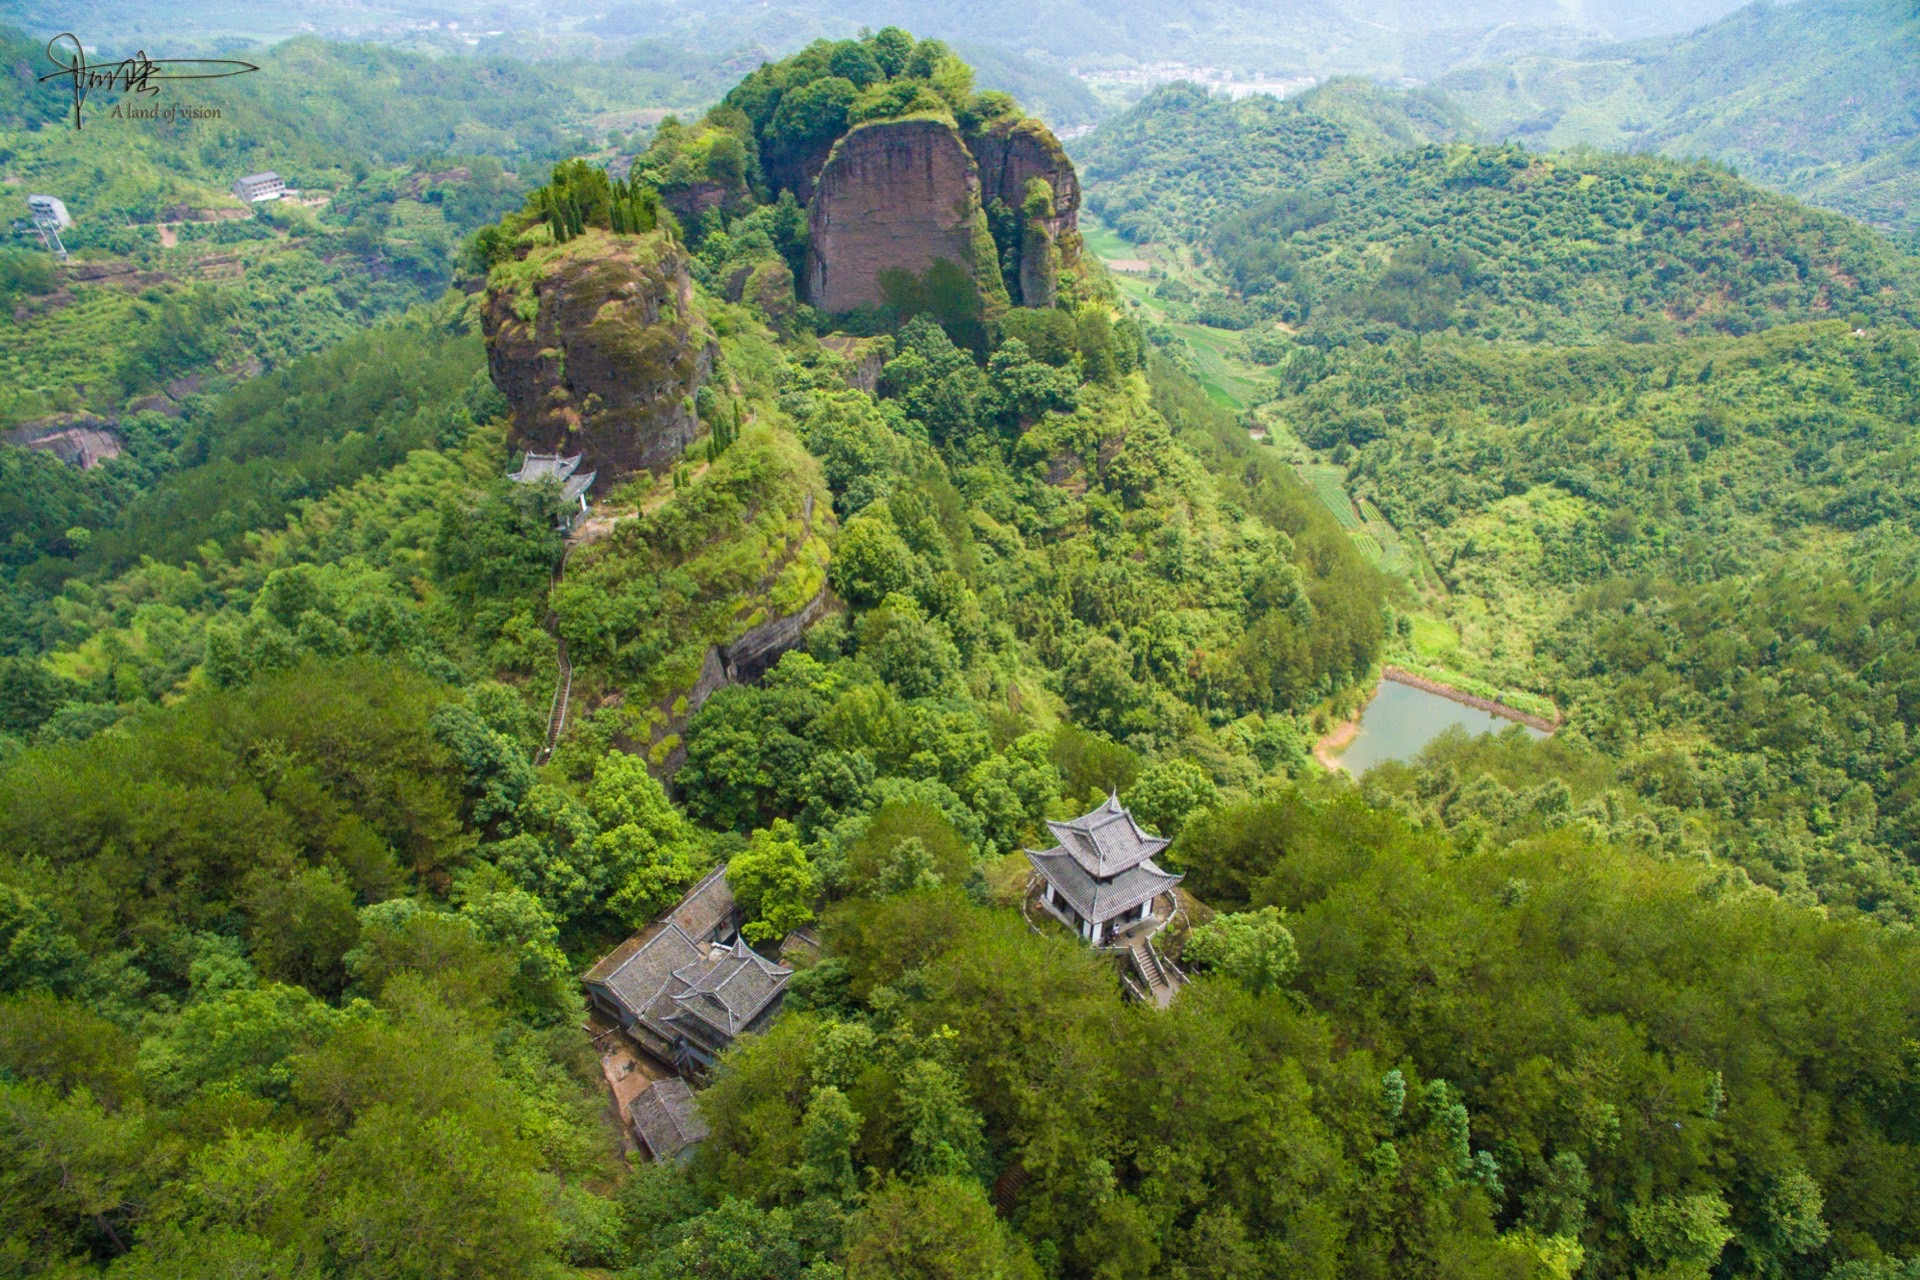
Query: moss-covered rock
[[706, 589], [599, 347]]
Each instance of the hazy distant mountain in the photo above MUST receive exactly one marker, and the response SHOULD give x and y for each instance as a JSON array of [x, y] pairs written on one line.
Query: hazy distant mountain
[[1820, 99], [1312, 37], [1388, 37]]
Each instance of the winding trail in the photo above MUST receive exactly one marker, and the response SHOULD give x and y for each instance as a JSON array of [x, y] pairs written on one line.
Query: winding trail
[[563, 682]]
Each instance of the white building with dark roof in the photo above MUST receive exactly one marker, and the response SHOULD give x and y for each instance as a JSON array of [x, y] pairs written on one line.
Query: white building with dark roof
[[257, 188], [688, 984], [1101, 878], [536, 467]]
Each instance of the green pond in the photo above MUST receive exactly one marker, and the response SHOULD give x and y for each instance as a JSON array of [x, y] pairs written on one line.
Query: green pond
[[1401, 720]]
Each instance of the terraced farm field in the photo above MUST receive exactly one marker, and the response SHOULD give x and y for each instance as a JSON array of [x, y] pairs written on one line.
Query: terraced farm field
[[1228, 376]]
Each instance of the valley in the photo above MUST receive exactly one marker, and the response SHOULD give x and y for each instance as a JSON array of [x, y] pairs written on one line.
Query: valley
[[757, 646]]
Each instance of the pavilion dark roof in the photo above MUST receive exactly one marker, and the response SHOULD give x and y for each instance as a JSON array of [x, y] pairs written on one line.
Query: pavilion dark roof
[[1105, 842], [543, 466], [720, 995], [1102, 900]]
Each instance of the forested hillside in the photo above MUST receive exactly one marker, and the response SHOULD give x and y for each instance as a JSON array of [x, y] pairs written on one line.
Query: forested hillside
[[1817, 99], [1702, 552], [177, 289], [1322, 212], [294, 897]]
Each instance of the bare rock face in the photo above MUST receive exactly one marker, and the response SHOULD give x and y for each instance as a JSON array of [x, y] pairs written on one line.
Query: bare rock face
[[77, 439], [598, 347], [895, 195]]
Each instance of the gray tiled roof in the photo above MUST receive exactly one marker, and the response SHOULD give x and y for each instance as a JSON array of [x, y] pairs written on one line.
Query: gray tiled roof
[[1101, 900], [1105, 842], [707, 906], [538, 466], [639, 972], [665, 1118], [716, 998], [673, 984]]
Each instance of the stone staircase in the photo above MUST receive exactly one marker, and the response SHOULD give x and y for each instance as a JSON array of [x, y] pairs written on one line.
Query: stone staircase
[[557, 717], [1162, 980], [563, 682]]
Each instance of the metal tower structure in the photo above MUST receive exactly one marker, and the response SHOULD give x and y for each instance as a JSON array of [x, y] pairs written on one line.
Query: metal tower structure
[[49, 228]]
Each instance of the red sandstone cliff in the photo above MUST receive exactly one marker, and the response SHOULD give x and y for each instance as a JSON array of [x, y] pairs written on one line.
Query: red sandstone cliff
[[1013, 154], [895, 195], [1010, 152], [902, 195]]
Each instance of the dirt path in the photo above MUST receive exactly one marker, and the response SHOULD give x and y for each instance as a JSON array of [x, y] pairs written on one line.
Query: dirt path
[[1327, 750], [660, 497]]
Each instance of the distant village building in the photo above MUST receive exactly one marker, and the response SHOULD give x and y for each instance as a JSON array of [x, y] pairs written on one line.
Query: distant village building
[[573, 488], [666, 1121], [259, 187], [686, 986], [50, 210], [1101, 878]]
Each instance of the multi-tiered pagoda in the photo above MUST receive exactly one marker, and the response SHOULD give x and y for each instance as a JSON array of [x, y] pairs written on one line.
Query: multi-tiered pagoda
[[1101, 878]]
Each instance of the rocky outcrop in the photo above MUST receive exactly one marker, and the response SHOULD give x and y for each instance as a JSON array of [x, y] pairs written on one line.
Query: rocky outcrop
[[744, 661], [866, 358], [1012, 152], [690, 200], [894, 196], [1013, 156], [78, 439], [767, 285], [598, 347], [900, 196]]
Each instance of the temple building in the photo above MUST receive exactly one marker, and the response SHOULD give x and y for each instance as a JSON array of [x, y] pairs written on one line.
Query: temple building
[[573, 488], [1101, 878], [687, 985]]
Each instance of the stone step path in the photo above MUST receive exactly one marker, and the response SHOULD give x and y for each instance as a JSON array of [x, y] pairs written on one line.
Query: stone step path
[[563, 683], [557, 718], [1162, 983]]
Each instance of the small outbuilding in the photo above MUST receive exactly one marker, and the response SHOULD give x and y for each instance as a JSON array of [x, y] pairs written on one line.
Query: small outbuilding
[[666, 1121]]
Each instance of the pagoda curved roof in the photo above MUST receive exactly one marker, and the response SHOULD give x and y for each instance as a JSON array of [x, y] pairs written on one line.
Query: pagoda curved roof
[[1102, 900], [1105, 842]]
